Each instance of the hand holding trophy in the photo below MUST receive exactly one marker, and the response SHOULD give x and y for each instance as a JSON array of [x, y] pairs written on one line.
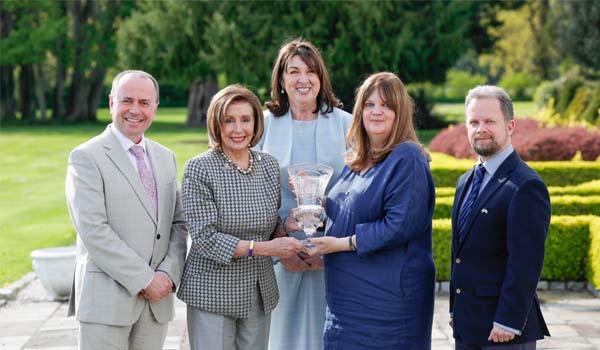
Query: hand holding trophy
[[309, 182]]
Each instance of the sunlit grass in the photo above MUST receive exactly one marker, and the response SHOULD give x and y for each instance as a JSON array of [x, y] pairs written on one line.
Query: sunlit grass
[[33, 162]]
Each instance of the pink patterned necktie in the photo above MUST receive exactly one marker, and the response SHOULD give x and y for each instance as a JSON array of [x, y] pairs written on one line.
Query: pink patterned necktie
[[146, 176]]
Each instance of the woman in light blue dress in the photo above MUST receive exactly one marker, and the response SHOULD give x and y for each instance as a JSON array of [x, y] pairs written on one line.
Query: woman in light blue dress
[[303, 124]]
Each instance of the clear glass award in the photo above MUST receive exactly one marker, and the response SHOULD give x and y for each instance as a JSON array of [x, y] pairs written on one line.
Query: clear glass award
[[310, 182]]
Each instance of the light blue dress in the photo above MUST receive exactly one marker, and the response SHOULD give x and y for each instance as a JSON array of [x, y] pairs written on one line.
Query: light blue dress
[[297, 322]]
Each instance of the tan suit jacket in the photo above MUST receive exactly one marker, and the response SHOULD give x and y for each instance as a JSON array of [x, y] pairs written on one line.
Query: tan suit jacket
[[119, 242]]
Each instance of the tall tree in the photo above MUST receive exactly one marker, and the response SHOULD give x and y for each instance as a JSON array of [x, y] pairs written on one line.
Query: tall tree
[[239, 40], [94, 51], [166, 38], [7, 84], [579, 33], [33, 29]]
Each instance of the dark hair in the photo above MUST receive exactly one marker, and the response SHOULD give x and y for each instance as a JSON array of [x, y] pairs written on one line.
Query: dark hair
[[393, 92], [326, 99], [218, 107]]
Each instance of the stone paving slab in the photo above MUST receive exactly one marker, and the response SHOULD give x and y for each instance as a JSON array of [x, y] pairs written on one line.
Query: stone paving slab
[[30, 322]]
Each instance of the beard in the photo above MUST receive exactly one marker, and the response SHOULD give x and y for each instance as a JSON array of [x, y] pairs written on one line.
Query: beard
[[487, 149]]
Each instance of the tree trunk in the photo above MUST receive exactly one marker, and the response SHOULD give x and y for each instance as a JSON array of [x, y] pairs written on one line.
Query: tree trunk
[[96, 85], [40, 91], [26, 92], [7, 94], [201, 92], [78, 108], [58, 111], [7, 83]]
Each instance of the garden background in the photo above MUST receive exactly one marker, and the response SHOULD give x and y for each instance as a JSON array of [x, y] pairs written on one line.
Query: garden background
[[57, 59]]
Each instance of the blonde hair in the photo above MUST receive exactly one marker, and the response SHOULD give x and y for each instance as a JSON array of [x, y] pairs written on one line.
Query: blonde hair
[[393, 92], [218, 107]]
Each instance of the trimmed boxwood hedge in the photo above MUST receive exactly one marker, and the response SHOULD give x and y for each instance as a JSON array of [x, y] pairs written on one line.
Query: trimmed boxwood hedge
[[446, 171], [591, 188], [592, 270], [572, 249], [561, 205]]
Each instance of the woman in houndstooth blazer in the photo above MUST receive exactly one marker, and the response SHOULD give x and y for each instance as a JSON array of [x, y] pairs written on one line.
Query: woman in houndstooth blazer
[[231, 197]]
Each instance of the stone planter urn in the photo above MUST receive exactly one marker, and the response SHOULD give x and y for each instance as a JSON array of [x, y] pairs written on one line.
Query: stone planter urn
[[54, 267]]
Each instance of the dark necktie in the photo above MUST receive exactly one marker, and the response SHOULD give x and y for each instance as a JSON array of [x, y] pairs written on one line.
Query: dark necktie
[[146, 176], [463, 217]]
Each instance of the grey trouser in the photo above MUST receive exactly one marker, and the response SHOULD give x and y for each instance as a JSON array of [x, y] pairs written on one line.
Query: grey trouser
[[145, 334], [210, 331]]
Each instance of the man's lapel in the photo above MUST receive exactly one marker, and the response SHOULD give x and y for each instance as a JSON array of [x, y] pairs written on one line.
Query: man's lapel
[[499, 179], [117, 155], [156, 157], [458, 198]]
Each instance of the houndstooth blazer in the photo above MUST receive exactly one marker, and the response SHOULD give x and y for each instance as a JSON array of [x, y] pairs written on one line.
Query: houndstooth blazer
[[223, 206]]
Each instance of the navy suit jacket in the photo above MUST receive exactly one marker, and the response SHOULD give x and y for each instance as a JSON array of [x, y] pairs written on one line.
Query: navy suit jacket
[[497, 264]]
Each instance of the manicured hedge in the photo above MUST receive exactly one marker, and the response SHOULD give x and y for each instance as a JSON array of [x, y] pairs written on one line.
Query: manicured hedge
[[561, 205], [442, 248], [567, 248], [592, 270], [572, 249], [591, 188], [446, 171]]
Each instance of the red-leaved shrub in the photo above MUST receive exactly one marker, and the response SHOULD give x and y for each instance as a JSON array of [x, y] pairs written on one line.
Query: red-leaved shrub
[[530, 140]]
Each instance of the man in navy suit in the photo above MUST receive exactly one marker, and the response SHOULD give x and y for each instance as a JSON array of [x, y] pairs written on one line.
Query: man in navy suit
[[500, 220]]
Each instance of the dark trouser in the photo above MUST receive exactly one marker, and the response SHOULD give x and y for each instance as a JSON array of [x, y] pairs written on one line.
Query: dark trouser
[[524, 346]]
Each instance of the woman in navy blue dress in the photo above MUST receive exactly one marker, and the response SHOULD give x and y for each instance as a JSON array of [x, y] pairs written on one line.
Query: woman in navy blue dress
[[379, 270]]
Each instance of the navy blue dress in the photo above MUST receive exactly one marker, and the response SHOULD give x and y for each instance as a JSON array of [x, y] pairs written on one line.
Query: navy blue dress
[[381, 296]]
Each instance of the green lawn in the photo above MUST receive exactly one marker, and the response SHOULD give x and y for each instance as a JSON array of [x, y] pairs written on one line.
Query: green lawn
[[33, 161]]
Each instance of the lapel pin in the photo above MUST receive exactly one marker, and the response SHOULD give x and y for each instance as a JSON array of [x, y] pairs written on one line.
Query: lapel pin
[[502, 179], [484, 211]]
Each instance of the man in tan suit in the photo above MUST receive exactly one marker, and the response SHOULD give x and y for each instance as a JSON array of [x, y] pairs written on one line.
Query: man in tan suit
[[124, 200]]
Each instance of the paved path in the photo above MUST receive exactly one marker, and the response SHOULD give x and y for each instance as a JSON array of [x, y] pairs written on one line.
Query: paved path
[[30, 322]]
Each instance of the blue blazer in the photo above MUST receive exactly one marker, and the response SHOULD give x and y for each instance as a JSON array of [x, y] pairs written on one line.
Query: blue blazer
[[497, 265]]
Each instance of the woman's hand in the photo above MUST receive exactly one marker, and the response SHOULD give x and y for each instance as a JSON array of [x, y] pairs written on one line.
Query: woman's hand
[[327, 244], [284, 247]]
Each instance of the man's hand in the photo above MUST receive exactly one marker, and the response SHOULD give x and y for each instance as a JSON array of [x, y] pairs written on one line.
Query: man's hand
[[314, 262], [159, 288], [499, 335], [295, 264]]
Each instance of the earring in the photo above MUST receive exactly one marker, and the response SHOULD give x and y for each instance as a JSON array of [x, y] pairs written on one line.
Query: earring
[[282, 91]]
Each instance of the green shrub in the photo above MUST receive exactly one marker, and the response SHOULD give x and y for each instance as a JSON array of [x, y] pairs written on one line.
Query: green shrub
[[561, 205], [578, 104], [572, 249], [442, 248], [567, 249], [458, 83], [545, 91], [591, 114], [520, 86], [591, 188], [593, 266], [567, 92], [575, 205], [446, 171]]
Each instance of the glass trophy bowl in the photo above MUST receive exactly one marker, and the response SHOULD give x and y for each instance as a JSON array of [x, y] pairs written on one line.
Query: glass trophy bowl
[[310, 181]]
